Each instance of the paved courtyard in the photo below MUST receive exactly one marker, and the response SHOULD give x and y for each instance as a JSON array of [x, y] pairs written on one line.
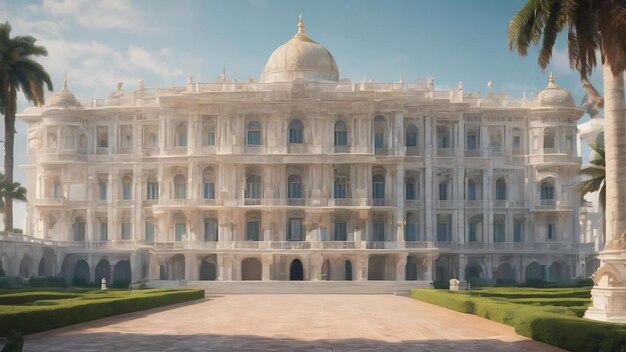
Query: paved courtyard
[[289, 323]]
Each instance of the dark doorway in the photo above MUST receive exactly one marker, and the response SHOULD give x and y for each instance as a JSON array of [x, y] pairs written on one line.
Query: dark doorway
[[207, 271], [296, 272], [348, 270]]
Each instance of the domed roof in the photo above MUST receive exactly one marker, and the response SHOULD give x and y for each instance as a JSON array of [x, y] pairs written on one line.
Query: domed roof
[[63, 99], [554, 96], [300, 57]]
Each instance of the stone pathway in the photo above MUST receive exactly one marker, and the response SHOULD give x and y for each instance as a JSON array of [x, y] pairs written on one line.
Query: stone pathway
[[289, 323]]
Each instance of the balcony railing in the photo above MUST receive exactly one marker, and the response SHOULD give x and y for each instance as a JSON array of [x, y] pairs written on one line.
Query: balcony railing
[[252, 201], [382, 151], [445, 152], [295, 202], [50, 202], [383, 202], [475, 153], [474, 203], [412, 203], [341, 149], [413, 151]]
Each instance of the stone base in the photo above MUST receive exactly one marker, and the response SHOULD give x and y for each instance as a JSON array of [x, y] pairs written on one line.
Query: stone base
[[609, 290]]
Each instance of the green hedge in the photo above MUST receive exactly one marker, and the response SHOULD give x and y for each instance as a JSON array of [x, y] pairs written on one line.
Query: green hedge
[[28, 297], [44, 315], [557, 326]]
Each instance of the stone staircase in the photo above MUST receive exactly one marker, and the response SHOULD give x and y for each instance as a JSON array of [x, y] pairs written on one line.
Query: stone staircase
[[296, 287]]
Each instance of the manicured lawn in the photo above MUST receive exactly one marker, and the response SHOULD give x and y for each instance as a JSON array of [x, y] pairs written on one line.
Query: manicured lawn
[[34, 310], [548, 315]]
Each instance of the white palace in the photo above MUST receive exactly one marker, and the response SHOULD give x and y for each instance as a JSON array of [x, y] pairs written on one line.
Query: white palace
[[302, 176]]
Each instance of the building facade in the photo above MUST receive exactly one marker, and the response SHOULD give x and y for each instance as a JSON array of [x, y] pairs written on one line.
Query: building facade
[[302, 176]]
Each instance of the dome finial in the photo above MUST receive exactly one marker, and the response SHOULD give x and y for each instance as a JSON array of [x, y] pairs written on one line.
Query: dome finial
[[551, 79], [65, 80], [300, 25]]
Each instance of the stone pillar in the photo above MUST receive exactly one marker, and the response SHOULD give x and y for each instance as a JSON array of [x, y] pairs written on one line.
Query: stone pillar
[[316, 260], [362, 266], [267, 259], [401, 259], [191, 270], [462, 265]]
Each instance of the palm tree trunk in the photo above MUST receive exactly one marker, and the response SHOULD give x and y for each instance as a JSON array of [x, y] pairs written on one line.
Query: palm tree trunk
[[615, 147], [9, 140]]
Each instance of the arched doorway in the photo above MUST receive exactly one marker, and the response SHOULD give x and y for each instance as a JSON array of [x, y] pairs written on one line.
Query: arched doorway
[[103, 270], [81, 273], [176, 267], [534, 272], [41, 268], [347, 268], [505, 273], [4, 265], [410, 269], [25, 266], [122, 275], [251, 269], [326, 270], [207, 271], [559, 272], [473, 271], [376, 268], [296, 271], [47, 263]]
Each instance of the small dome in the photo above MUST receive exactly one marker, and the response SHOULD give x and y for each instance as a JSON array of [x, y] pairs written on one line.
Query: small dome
[[300, 57], [63, 99], [554, 96]]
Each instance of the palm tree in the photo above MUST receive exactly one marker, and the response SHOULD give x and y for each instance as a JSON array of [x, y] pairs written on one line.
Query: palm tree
[[10, 191], [18, 72], [596, 176], [591, 25]]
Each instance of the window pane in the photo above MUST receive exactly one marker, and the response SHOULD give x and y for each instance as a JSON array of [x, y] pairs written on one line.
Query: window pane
[[209, 190], [252, 230], [180, 230], [210, 230], [210, 138], [149, 231], [379, 232], [341, 138], [104, 231], [341, 231]]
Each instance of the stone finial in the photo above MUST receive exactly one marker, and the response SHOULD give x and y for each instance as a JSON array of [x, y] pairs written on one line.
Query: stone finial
[[551, 79], [460, 86], [141, 84], [490, 84], [189, 78], [65, 80]]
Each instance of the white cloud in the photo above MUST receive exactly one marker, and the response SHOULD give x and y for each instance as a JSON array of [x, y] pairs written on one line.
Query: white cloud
[[560, 62], [112, 14]]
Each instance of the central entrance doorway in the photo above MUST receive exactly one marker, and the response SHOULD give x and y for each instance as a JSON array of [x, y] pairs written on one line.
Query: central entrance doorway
[[296, 272]]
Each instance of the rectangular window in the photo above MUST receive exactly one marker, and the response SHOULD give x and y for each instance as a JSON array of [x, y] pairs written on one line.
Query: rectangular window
[[472, 236], [410, 191], [341, 231], [79, 231], [341, 188], [102, 190], [57, 190], [379, 190], [295, 231], [126, 136], [442, 232], [152, 191], [103, 136], [294, 190], [126, 230], [180, 229], [104, 231], [517, 231], [517, 142], [411, 232], [443, 141], [379, 231], [252, 230], [253, 138], [180, 190], [443, 191], [127, 190], [551, 232], [210, 230], [210, 138], [341, 138], [379, 140], [472, 142], [209, 190], [149, 231], [499, 232]]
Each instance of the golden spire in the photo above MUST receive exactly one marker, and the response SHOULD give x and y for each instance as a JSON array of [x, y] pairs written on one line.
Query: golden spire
[[300, 25]]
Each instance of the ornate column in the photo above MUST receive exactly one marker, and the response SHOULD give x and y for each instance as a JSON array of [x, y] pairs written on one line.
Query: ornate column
[[401, 259], [268, 260]]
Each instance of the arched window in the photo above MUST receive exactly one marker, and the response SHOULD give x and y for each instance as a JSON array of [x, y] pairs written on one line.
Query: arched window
[[410, 189], [341, 133], [378, 186], [379, 132], [82, 143], [78, 228], [548, 138], [296, 132], [56, 189], [181, 135], [210, 229], [253, 133], [471, 190], [443, 137], [410, 139], [180, 187], [294, 187], [208, 183], [180, 227], [547, 190], [253, 187], [152, 188], [127, 188], [501, 189]]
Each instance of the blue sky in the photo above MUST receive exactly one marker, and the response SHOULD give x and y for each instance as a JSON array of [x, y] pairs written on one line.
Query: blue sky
[[101, 42]]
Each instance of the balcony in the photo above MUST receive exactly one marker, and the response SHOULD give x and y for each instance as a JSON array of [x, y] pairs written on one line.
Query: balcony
[[413, 151], [336, 245], [381, 245], [50, 202], [447, 203], [253, 149], [445, 152], [295, 202], [341, 149], [474, 204], [383, 202], [412, 203], [252, 201], [475, 153], [382, 151]]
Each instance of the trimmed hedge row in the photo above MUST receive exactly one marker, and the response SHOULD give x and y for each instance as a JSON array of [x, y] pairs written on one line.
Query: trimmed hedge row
[[76, 310], [557, 326], [28, 297]]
